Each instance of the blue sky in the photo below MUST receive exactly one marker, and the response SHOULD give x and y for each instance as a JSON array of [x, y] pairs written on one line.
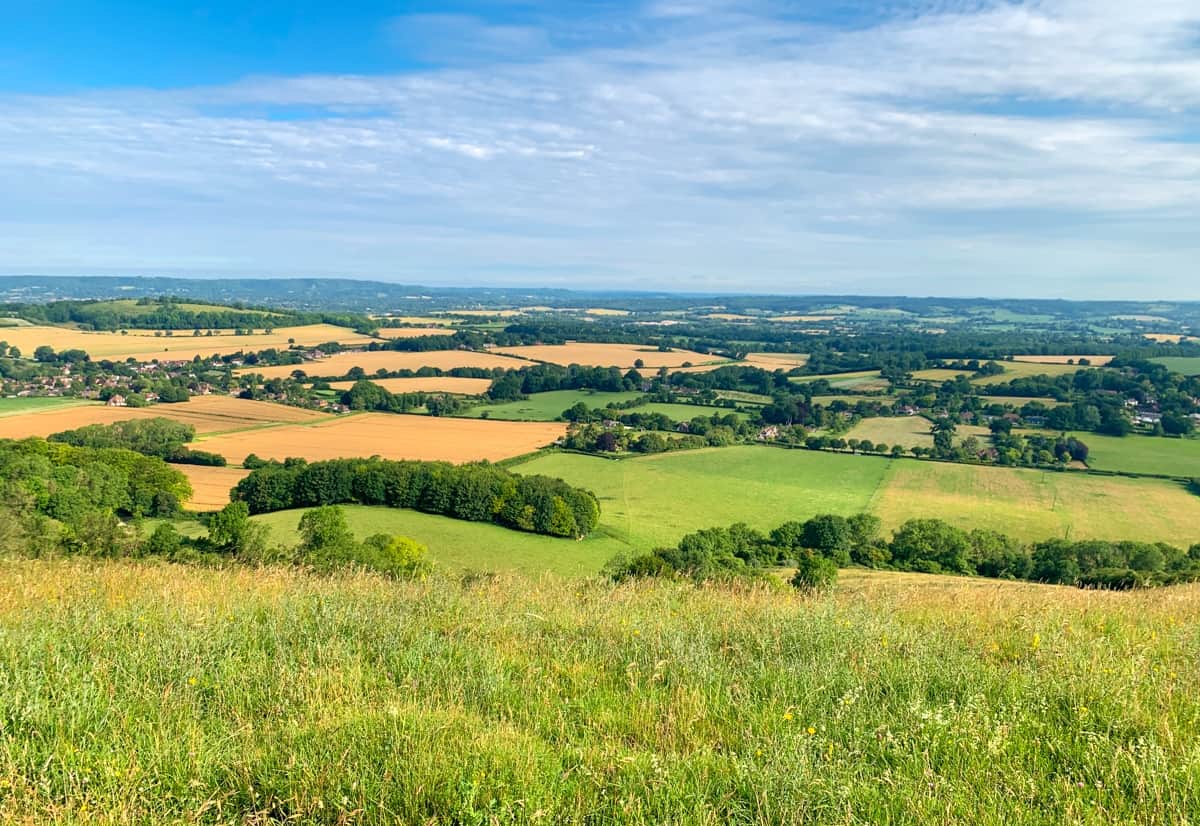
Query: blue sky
[[948, 147]]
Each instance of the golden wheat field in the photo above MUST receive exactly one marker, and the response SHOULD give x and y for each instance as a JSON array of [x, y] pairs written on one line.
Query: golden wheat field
[[1096, 361], [143, 345], [371, 361], [603, 311], [427, 384], [208, 414], [390, 436], [1169, 338], [608, 355], [210, 485]]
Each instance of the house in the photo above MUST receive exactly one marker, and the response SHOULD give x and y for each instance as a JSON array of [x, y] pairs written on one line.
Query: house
[[768, 433], [116, 401]]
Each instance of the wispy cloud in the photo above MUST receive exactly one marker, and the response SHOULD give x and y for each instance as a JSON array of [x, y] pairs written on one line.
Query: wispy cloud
[[960, 147]]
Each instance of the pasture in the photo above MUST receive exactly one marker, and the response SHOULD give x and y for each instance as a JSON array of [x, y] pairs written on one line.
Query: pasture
[[1187, 365], [427, 384], [1025, 369], [1143, 454], [940, 375], [338, 365], [158, 693], [1034, 505], [208, 414], [456, 545], [1021, 401], [908, 431], [19, 406], [684, 412], [210, 485], [623, 356], [390, 436], [547, 407], [143, 345], [862, 380]]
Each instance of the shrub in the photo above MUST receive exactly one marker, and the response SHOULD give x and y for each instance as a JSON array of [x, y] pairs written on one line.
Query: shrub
[[814, 572]]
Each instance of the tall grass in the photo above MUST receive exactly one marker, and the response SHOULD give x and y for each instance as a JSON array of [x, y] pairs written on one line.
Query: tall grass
[[139, 693]]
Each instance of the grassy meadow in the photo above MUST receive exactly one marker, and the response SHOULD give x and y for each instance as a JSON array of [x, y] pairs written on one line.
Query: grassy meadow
[[32, 404], [140, 693], [1187, 365], [547, 407], [909, 431], [1143, 454]]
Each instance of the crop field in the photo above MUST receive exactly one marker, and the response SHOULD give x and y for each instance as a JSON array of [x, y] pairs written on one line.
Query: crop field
[[1169, 338], [1187, 365], [243, 695], [608, 355], [864, 380], [143, 345], [776, 361], [390, 436], [208, 414], [852, 400], [793, 319], [909, 431], [1143, 454], [413, 332], [427, 384], [1033, 505], [1096, 361], [32, 404], [1024, 369], [210, 485], [546, 407], [340, 364], [939, 375], [456, 545]]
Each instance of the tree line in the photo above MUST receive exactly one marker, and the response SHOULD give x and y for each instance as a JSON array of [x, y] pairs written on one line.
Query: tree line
[[162, 438], [474, 492], [816, 548]]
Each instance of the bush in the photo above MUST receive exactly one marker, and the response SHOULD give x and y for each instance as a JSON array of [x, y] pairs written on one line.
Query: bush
[[814, 572]]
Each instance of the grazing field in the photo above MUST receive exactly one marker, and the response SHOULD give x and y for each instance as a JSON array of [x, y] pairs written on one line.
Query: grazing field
[[546, 407], [655, 500], [32, 404], [1021, 401], [157, 693], [427, 384], [853, 399], [909, 431], [1034, 505], [456, 545], [339, 365], [413, 332], [1024, 369], [1187, 365], [208, 414], [1097, 361], [777, 361], [864, 380], [608, 355], [939, 375], [210, 485], [143, 345], [390, 436], [684, 412], [1143, 454]]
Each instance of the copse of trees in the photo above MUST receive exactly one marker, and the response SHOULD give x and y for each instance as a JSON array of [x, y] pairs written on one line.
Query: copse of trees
[[474, 492], [817, 547], [159, 437]]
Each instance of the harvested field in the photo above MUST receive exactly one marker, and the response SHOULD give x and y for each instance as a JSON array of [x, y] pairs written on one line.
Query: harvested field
[[603, 311], [729, 317], [413, 332], [609, 355], [339, 365], [1097, 361], [208, 414], [776, 361], [427, 384], [392, 437], [143, 345], [801, 318], [210, 485], [940, 375]]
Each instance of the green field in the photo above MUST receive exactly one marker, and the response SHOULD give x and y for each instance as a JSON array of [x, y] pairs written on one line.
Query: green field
[[156, 693], [1187, 365], [15, 406], [940, 375], [684, 412], [1034, 505], [546, 407], [865, 380], [456, 545], [1142, 454], [909, 431], [1024, 369]]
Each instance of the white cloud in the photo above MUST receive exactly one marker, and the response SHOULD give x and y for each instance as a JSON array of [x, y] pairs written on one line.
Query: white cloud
[[961, 148]]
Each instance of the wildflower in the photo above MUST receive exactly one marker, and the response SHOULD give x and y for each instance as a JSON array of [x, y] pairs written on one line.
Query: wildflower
[[1083, 710], [811, 731], [1036, 642], [191, 680], [637, 633], [787, 715]]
